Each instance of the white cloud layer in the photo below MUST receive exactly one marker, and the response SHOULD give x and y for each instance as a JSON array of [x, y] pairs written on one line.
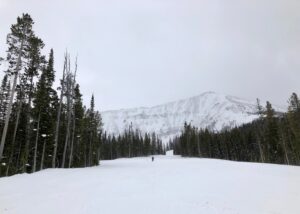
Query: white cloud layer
[[141, 53]]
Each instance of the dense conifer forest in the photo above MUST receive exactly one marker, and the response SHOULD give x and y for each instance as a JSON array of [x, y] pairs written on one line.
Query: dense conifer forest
[[43, 127], [273, 138]]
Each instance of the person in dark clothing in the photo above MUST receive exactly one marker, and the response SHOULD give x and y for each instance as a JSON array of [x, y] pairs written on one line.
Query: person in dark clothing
[[152, 158]]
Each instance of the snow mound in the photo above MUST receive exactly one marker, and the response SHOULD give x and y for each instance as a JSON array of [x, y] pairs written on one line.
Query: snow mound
[[170, 153]]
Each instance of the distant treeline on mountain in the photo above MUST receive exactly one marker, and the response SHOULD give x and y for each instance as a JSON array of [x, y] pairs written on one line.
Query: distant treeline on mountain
[[273, 138], [42, 127]]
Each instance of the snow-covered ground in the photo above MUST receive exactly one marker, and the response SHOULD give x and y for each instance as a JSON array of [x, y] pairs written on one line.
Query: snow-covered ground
[[167, 185]]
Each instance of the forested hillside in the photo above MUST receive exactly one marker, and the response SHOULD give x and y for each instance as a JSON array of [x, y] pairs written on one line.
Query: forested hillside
[[273, 138], [43, 127]]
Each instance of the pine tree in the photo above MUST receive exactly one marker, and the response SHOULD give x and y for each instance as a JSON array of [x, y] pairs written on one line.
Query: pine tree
[[272, 136], [35, 64], [91, 115], [294, 121], [4, 98], [78, 151], [18, 45], [259, 135]]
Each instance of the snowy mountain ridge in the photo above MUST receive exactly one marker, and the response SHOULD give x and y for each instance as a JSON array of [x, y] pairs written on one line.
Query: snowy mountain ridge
[[208, 110]]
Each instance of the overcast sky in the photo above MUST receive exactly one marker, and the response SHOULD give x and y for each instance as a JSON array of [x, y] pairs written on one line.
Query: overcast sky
[[141, 53]]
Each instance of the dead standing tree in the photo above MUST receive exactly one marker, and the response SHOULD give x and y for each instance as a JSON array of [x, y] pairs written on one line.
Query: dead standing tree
[[59, 113], [69, 93], [74, 116]]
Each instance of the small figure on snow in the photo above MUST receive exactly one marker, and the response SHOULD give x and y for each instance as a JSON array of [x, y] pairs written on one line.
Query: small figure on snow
[[152, 158]]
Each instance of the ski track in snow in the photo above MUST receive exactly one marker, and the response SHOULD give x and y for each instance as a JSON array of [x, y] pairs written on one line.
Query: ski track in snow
[[167, 185]]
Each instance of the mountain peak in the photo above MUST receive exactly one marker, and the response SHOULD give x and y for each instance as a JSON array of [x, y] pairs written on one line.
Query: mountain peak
[[210, 110]]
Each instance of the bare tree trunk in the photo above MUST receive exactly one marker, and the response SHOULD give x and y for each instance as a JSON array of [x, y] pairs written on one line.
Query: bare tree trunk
[[85, 155], [285, 153], [58, 116], [28, 130], [14, 137], [69, 107], [111, 150], [198, 145], [43, 155], [129, 150], [72, 145], [99, 152], [13, 89], [74, 117], [296, 156], [131, 139], [90, 148], [284, 148], [67, 136], [36, 144], [261, 153]]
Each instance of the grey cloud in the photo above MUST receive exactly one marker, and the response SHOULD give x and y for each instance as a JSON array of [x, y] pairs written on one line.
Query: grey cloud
[[141, 53]]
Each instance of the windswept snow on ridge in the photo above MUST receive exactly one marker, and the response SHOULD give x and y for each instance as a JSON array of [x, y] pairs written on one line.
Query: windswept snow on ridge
[[208, 110], [167, 185]]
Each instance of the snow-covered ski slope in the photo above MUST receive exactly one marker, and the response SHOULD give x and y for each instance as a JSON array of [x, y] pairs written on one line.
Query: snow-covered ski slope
[[167, 185]]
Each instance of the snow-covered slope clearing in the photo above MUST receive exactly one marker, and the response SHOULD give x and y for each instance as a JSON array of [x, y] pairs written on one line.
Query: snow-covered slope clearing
[[167, 185], [208, 110]]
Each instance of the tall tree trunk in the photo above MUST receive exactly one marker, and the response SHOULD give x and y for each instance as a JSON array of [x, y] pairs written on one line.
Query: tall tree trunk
[[14, 137], [261, 152], [69, 118], [110, 148], [36, 143], [58, 116], [72, 145], [43, 154], [198, 145], [284, 145], [90, 148], [28, 128], [67, 135], [74, 117], [99, 151], [285, 152], [85, 154], [131, 140], [13, 89]]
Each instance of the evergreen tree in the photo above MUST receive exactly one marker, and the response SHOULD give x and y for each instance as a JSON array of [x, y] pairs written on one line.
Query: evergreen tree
[[35, 64], [4, 98], [18, 42], [294, 122], [271, 135], [79, 114], [45, 102]]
